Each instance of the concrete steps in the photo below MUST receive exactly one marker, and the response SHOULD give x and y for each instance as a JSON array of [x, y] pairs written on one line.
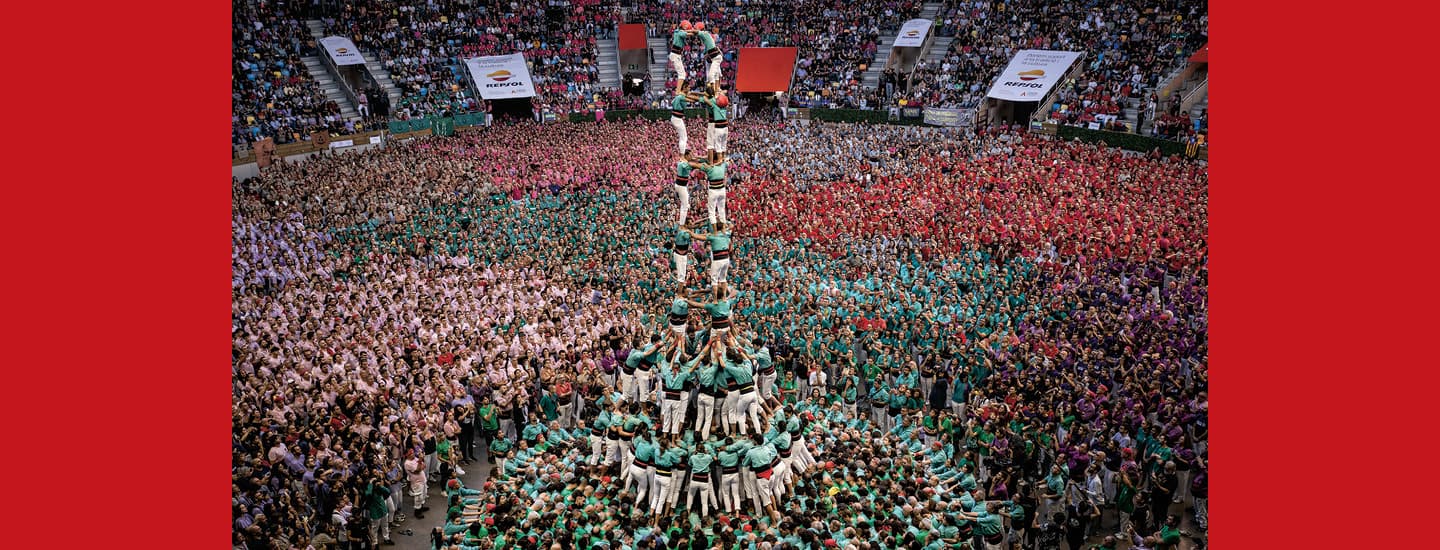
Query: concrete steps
[[659, 62], [608, 63], [871, 77], [931, 10], [327, 82], [939, 49], [377, 71]]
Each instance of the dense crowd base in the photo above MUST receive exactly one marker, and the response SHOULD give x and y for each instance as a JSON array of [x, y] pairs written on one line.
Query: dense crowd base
[[980, 332]]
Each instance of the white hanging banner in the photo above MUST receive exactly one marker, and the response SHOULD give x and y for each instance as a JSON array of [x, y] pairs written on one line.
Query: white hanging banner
[[501, 76], [912, 33], [1031, 74], [342, 50]]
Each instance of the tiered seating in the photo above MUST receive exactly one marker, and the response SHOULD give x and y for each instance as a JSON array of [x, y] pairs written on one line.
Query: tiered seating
[[272, 95], [837, 39], [424, 46], [1131, 44]]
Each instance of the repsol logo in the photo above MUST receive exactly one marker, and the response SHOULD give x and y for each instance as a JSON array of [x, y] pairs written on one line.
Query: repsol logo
[[1025, 84], [504, 84]]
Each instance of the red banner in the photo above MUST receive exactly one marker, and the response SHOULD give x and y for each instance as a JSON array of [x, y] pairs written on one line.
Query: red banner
[[632, 37], [1202, 55], [765, 69]]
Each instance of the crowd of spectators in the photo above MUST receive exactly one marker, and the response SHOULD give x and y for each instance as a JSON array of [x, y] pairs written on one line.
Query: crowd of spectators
[[1030, 314], [272, 93], [837, 39], [1130, 46], [423, 47], [1173, 123]]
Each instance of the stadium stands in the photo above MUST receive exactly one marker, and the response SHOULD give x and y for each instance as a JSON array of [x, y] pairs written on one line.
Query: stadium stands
[[272, 94], [1130, 45]]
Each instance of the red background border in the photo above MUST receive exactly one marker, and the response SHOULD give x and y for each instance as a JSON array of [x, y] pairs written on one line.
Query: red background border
[[116, 260], [632, 36], [765, 70]]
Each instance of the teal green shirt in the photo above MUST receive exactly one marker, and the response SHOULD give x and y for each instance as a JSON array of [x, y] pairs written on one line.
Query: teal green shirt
[[700, 462], [720, 309], [718, 241], [717, 113], [715, 173]]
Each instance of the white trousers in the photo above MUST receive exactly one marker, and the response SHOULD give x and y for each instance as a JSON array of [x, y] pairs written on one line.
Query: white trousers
[[678, 64], [799, 449], [597, 449], [746, 404], [627, 386], [682, 261], [756, 489], [677, 479], [682, 137], [673, 415], [719, 269], [727, 411], [682, 192], [716, 138], [614, 451], [706, 492], [627, 459], [712, 71], [715, 206], [641, 478], [645, 385], [660, 495], [767, 385], [730, 492], [779, 479], [705, 414]]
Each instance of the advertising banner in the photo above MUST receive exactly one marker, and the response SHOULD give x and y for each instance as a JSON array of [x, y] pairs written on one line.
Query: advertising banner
[[501, 76], [912, 33], [1031, 74], [342, 50]]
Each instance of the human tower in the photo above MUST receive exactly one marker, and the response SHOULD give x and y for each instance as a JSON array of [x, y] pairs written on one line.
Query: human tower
[[721, 428]]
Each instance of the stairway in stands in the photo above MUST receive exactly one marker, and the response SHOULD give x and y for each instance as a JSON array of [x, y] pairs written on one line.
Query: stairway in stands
[[1201, 105], [1134, 105], [327, 80], [939, 49], [659, 62], [871, 77], [608, 62]]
